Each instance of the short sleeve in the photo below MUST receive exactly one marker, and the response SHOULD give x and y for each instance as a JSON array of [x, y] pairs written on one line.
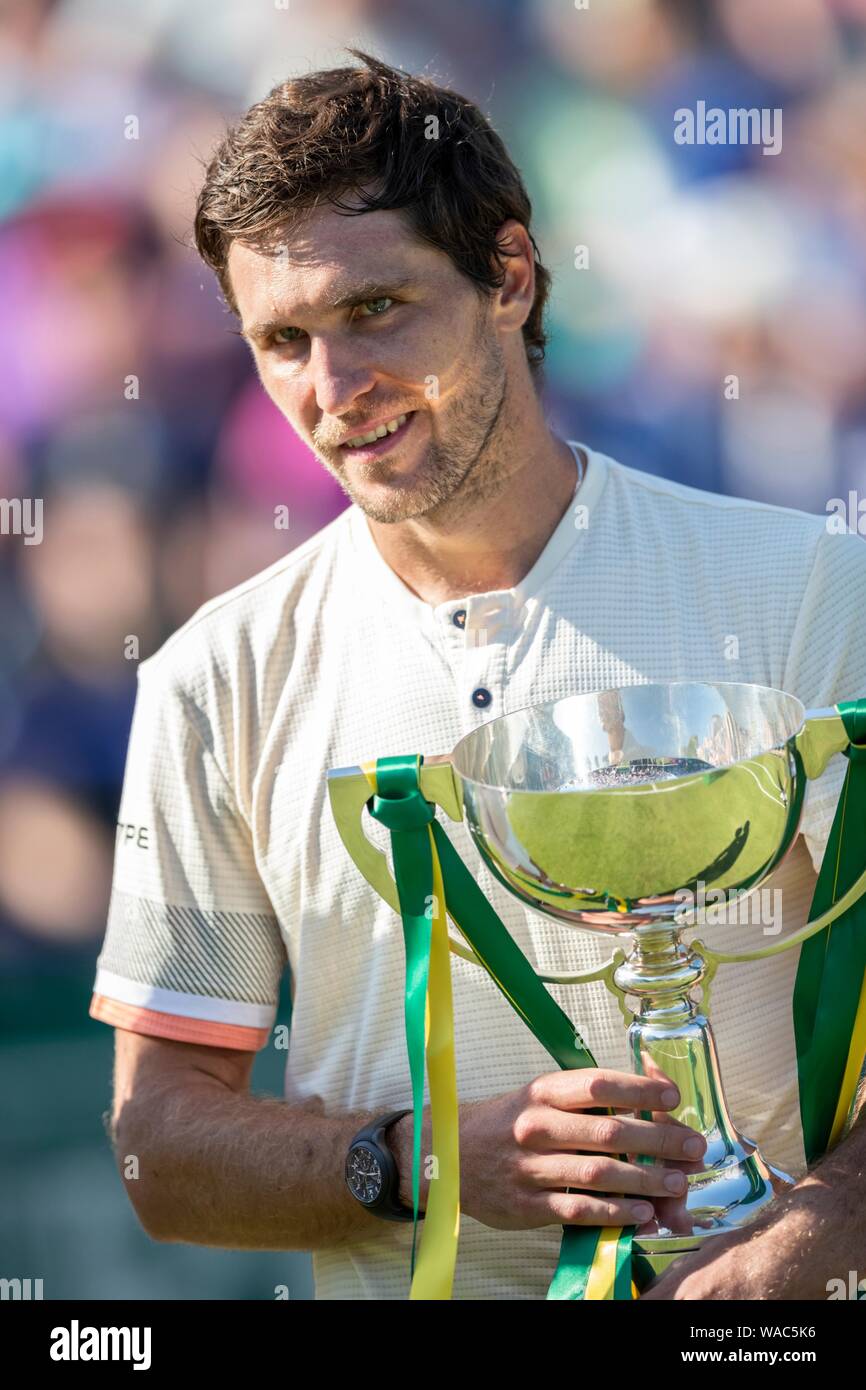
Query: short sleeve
[[192, 949], [827, 662]]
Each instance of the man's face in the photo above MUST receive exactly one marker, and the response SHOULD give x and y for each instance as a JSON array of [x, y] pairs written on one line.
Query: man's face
[[355, 324]]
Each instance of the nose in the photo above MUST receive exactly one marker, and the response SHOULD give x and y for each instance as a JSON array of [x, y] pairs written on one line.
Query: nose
[[337, 374]]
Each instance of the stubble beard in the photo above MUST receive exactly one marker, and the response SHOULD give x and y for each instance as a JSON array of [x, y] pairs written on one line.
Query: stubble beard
[[461, 468]]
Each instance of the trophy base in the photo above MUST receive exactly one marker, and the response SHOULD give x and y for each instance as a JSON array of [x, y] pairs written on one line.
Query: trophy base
[[721, 1200]]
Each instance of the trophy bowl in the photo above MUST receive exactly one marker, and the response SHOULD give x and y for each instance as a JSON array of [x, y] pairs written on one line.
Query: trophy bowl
[[599, 809], [612, 811]]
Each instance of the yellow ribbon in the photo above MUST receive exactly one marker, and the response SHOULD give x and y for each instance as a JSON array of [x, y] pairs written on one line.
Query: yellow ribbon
[[434, 1271], [853, 1066], [434, 1268]]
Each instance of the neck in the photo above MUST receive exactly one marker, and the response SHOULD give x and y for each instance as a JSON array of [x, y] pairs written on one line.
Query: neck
[[494, 543]]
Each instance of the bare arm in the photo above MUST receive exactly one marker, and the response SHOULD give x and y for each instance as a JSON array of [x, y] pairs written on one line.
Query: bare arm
[[219, 1166]]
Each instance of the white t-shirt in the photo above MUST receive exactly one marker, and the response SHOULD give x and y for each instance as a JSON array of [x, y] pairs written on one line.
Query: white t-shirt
[[229, 862]]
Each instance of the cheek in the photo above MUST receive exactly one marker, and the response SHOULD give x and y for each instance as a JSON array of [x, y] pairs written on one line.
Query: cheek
[[461, 342], [429, 350], [285, 388]]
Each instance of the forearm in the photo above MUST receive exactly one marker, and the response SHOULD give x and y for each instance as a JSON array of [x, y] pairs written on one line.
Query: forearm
[[821, 1224], [238, 1171]]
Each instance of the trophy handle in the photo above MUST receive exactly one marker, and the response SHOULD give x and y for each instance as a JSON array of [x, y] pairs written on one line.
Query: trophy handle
[[823, 734], [350, 788], [716, 958], [605, 973]]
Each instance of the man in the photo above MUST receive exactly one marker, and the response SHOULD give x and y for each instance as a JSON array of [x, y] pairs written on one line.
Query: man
[[372, 235]]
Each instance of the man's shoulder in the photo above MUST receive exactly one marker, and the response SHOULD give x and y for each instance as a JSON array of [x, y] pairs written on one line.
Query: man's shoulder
[[237, 629], [707, 508], [739, 534]]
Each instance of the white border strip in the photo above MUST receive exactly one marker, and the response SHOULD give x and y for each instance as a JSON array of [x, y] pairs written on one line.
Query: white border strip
[[169, 1001]]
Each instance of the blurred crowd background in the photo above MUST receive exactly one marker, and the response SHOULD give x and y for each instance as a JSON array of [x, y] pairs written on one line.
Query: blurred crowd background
[[129, 405]]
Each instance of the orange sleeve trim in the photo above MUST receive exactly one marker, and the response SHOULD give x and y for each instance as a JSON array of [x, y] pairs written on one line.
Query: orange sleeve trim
[[194, 1030]]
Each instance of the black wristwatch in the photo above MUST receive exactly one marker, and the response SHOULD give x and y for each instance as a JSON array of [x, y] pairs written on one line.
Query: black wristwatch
[[371, 1171]]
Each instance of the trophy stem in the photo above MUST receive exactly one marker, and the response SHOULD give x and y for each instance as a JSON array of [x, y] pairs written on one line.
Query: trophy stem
[[733, 1182]]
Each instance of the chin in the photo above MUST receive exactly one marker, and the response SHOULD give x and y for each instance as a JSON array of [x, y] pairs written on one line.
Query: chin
[[387, 510], [388, 504]]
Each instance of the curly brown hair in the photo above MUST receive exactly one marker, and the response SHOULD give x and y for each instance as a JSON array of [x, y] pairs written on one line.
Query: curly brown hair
[[387, 139]]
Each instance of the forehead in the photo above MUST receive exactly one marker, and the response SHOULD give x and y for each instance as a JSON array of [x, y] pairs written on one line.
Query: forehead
[[326, 255]]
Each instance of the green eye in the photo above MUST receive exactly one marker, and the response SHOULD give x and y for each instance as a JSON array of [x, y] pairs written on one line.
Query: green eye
[[278, 339], [376, 306]]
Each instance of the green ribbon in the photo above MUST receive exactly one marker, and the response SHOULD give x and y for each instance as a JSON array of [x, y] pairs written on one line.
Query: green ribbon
[[401, 807], [832, 963]]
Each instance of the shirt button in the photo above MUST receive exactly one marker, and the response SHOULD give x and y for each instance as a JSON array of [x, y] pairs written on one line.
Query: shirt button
[[458, 617], [481, 698]]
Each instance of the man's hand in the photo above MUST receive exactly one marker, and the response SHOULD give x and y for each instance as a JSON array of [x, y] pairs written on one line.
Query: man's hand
[[779, 1260], [806, 1239], [722, 1270], [519, 1152]]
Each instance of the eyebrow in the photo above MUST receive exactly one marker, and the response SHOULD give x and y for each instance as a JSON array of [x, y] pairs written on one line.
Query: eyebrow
[[358, 294]]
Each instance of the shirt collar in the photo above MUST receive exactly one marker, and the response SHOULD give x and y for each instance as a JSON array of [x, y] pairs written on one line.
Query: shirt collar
[[571, 526]]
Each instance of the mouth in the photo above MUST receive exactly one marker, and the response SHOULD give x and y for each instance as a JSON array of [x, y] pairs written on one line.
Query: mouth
[[372, 444]]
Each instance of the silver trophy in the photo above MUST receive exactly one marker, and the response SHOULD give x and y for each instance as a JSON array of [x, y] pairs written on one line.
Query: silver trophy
[[612, 812]]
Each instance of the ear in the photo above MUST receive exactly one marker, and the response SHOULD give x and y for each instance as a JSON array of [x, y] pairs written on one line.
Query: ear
[[517, 263]]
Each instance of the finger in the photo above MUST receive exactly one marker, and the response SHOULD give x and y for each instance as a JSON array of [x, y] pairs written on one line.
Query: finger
[[548, 1131], [599, 1173], [686, 1165], [582, 1209], [591, 1087], [673, 1213]]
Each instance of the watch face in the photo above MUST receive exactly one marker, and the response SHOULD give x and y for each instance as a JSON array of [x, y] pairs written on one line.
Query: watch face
[[364, 1175]]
